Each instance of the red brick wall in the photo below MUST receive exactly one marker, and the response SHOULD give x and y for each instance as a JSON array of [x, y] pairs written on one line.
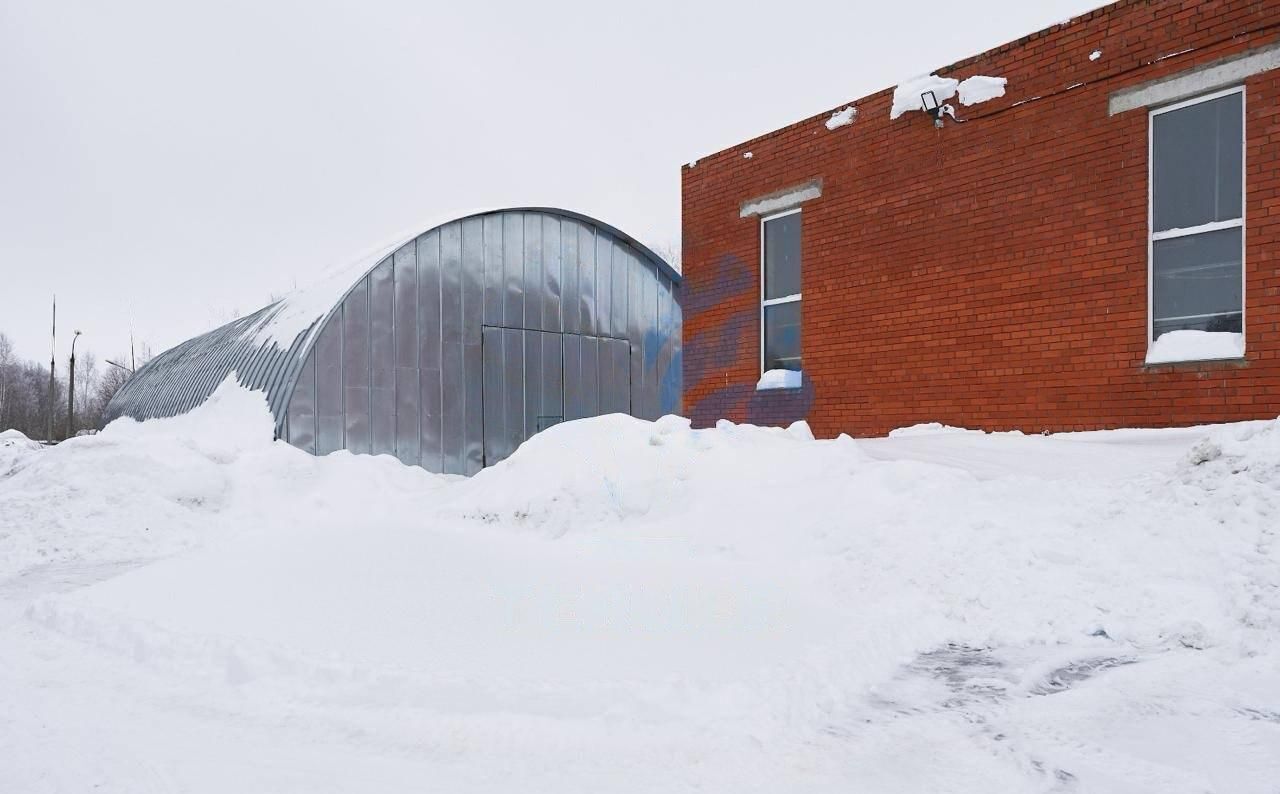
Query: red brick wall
[[990, 274]]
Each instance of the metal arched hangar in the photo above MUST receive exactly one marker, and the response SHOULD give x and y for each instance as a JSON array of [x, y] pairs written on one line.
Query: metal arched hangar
[[451, 348]]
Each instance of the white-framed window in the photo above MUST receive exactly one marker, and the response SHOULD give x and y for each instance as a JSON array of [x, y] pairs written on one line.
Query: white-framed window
[[780, 296], [1196, 228]]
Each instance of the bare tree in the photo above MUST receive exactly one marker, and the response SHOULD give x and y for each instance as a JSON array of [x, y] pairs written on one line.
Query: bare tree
[[6, 380], [86, 385], [670, 253], [25, 402], [109, 382]]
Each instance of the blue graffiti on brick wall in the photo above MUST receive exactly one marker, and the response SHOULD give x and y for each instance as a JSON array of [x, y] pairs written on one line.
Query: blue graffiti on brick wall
[[719, 350]]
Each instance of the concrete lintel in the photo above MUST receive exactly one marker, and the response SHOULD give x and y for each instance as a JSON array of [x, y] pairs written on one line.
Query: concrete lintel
[[785, 199], [1200, 80]]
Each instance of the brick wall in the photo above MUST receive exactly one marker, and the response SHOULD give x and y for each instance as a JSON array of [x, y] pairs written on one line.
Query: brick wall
[[990, 274]]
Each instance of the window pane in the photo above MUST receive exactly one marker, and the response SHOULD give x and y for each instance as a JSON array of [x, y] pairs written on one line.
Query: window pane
[[1196, 282], [782, 257], [1196, 167], [782, 336]]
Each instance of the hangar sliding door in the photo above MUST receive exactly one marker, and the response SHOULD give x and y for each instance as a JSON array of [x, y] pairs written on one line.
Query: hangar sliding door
[[536, 379]]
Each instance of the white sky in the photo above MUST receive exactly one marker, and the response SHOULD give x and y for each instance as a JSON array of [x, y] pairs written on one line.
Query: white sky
[[176, 162]]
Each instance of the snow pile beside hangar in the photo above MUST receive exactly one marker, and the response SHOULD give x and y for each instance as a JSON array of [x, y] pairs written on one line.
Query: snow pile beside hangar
[[141, 490], [617, 468]]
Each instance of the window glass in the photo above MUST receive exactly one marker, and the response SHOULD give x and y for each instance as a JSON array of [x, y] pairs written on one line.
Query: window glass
[[1197, 153], [782, 336], [1196, 282], [782, 256], [1196, 163]]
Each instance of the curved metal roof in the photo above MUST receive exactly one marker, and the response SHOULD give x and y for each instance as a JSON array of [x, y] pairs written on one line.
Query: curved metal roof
[[267, 348]]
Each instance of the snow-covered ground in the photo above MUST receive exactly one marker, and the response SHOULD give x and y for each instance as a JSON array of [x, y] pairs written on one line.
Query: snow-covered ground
[[186, 605]]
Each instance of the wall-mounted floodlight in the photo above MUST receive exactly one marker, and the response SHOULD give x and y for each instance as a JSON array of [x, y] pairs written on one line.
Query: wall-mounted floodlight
[[929, 102]]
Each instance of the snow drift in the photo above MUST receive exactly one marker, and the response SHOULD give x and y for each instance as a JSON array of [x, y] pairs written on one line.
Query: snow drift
[[643, 606], [14, 446]]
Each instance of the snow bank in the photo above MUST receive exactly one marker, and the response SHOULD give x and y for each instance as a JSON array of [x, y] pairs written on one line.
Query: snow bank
[[1175, 346], [140, 490], [842, 118], [907, 95], [16, 438], [588, 475], [977, 89], [735, 608], [14, 448]]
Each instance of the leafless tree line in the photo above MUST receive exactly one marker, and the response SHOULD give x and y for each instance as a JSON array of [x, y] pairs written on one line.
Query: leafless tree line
[[25, 401]]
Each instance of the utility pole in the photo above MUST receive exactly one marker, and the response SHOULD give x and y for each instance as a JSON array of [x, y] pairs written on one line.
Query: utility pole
[[53, 344], [71, 389]]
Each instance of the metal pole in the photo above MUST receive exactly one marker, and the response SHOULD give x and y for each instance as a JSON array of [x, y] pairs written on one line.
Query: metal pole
[[71, 390], [52, 363]]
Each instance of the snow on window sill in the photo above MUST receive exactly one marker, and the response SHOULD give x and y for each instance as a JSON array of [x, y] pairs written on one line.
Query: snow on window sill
[[780, 379], [1185, 347]]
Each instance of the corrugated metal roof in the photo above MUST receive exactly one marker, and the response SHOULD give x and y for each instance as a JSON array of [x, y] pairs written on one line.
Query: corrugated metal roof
[[182, 377]]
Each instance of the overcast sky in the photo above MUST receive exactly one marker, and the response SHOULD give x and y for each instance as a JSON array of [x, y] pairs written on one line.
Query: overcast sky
[[174, 163]]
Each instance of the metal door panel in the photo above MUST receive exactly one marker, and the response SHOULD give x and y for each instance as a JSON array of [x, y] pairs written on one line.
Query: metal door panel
[[617, 388], [573, 400], [473, 410], [552, 409], [512, 389], [495, 422], [408, 415], [451, 431], [532, 382], [590, 376], [431, 452]]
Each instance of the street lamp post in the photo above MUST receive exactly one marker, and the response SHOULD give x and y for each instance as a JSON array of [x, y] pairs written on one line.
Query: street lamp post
[[53, 364], [71, 390]]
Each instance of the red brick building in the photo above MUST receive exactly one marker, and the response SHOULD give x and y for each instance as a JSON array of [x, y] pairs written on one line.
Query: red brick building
[[1014, 267]]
